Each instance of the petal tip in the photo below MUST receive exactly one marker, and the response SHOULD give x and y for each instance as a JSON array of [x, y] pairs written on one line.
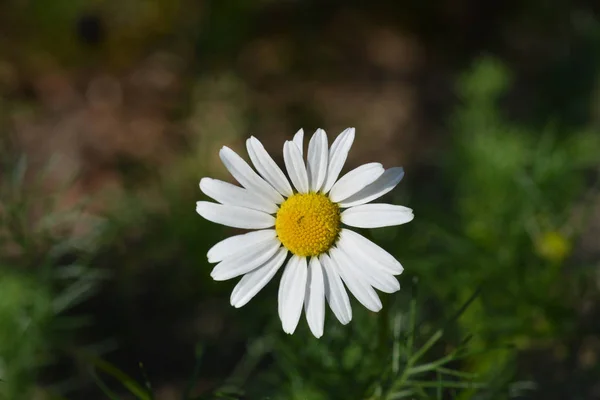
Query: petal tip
[[203, 183], [287, 330], [398, 271], [218, 274], [236, 304], [201, 206]]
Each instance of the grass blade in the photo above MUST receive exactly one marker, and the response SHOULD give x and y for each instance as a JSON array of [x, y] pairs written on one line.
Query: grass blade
[[125, 380]]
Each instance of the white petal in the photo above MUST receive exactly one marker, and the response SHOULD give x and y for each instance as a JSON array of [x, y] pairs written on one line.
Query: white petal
[[377, 277], [236, 217], [382, 280], [314, 301], [228, 194], [299, 140], [267, 167], [355, 181], [246, 261], [386, 182], [337, 157], [295, 166], [373, 251], [335, 292], [377, 215], [254, 281], [235, 245], [246, 176], [355, 281], [317, 160], [291, 293]]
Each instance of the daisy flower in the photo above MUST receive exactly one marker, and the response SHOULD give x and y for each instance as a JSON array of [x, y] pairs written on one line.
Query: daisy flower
[[307, 220]]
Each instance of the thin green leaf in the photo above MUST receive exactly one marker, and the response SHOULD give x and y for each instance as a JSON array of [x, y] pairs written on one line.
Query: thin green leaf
[[125, 380], [396, 344], [74, 294], [403, 394], [448, 384], [465, 305], [458, 374], [146, 380], [432, 365], [412, 326], [103, 386], [432, 340]]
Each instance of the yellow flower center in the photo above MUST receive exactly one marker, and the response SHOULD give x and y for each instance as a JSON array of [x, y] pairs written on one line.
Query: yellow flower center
[[308, 223]]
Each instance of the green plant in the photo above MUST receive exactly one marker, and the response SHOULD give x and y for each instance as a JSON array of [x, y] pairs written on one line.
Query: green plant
[[508, 226], [43, 275]]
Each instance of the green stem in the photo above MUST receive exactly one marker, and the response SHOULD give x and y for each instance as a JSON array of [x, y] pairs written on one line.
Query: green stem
[[195, 375], [384, 326]]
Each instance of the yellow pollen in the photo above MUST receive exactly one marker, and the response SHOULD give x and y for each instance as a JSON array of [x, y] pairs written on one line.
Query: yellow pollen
[[308, 224]]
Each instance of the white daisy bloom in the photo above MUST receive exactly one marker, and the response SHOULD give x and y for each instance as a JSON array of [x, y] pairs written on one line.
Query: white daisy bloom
[[307, 219]]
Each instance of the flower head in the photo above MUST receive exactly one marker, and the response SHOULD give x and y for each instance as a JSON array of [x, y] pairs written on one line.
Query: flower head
[[308, 223]]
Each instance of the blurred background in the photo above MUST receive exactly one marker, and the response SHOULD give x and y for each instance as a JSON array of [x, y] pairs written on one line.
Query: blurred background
[[111, 112]]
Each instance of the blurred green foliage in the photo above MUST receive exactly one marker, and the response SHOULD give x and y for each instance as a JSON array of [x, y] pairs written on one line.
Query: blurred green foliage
[[510, 224], [43, 276], [25, 311]]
